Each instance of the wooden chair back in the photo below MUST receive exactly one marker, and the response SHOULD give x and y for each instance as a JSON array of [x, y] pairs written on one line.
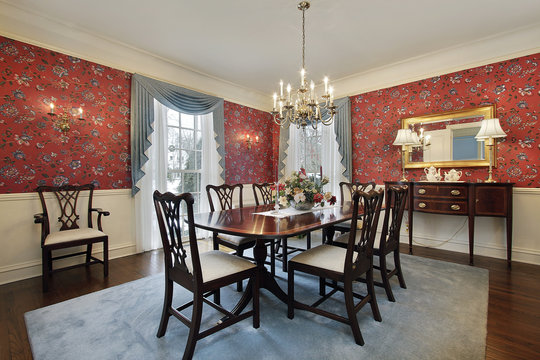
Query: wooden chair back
[[396, 198], [225, 194], [68, 209], [263, 193], [359, 258], [169, 209], [347, 189]]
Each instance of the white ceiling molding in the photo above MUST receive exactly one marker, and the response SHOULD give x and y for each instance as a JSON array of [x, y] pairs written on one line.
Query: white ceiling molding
[[26, 26], [525, 41]]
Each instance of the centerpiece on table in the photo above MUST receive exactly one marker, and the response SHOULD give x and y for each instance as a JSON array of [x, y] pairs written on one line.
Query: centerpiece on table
[[302, 191]]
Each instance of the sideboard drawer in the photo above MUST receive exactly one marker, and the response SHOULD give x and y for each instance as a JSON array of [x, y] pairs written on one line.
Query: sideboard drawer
[[458, 207], [452, 191]]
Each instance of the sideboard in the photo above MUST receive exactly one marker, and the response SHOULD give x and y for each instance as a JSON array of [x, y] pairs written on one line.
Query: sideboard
[[461, 198]]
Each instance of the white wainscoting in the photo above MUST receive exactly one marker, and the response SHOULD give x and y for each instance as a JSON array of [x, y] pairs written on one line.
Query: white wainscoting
[[20, 257]]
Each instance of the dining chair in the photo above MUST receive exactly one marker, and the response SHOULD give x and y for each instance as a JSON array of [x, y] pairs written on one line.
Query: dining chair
[[346, 190], [388, 243], [396, 198], [343, 266], [70, 233], [226, 195], [264, 192], [202, 274]]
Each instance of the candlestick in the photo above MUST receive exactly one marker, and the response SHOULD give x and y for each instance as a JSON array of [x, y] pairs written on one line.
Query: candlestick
[[326, 85]]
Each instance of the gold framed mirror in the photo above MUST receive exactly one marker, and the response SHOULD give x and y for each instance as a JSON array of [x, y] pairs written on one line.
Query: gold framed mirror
[[447, 139]]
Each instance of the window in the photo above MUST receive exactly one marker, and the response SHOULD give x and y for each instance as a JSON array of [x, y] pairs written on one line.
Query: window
[[184, 155], [310, 149]]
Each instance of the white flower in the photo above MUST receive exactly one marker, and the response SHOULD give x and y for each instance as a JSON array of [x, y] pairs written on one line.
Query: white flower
[[300, 197], [302, 176], [328, 196], [283, 201]]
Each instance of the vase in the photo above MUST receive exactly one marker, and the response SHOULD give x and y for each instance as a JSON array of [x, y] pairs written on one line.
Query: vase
[[301, 205]]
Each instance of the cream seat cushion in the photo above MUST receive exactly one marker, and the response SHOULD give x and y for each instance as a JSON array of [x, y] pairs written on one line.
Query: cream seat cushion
[[58, 237], [216, 264], [323, 256], [348, 224], [344, 239], [236, 240]]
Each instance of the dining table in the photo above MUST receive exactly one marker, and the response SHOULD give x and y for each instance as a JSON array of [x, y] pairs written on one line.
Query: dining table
[[265, 224]]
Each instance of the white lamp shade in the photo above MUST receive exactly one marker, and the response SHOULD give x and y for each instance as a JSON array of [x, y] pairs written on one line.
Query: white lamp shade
[[491, 128], [404, 137]]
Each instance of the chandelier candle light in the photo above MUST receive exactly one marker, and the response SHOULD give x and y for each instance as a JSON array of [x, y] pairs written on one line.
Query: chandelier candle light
[[303, 109]]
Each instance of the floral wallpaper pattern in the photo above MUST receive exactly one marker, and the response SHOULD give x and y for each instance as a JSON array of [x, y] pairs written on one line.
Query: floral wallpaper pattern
[[243, 165], [33, 149], [512, 85]]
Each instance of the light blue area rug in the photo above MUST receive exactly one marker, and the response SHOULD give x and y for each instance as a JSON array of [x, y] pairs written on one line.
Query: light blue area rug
[[441, 315]]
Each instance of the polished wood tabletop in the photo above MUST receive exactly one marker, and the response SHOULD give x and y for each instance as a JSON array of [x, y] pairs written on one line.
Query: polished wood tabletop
[[246, 222]]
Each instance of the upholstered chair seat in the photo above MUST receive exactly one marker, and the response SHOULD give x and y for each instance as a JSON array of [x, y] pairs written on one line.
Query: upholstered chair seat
[[235, 240], [59, 237], [217, 264], [324, 256]]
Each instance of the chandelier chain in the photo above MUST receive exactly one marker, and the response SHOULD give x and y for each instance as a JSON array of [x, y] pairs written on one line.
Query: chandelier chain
[[303, 38]]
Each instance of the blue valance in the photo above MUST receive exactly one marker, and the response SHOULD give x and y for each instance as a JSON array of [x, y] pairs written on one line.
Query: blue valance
[[143, 92]]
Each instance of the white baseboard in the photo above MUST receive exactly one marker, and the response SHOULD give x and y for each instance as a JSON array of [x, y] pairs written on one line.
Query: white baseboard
[[28, 269]]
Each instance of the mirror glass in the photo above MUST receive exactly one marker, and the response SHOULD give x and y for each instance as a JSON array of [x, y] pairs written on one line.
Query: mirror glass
[[447, 139]]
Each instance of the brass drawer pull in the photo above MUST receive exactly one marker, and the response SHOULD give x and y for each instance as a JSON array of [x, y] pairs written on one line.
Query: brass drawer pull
[[455, 192], [421, 191], [455, 207], [422, 205]]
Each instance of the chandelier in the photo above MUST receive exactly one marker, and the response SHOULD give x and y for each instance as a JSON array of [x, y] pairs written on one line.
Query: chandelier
[[303, 109]]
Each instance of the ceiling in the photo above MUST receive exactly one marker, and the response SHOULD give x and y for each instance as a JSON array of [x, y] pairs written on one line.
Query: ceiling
[[255, 43]]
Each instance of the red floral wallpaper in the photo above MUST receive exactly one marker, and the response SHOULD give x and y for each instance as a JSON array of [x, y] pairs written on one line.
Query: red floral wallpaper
[[34, 151], [513, 86], [243, 165]]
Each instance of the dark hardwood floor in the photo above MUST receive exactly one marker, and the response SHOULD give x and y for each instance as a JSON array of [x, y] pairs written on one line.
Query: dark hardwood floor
[[513, 313]]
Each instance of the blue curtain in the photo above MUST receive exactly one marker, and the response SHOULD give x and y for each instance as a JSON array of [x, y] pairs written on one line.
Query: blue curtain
[[143, 92]]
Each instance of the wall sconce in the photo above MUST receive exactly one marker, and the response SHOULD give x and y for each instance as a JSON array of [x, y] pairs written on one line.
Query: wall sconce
[[63, 121], [420, 140], [249, 141], [490, 130]]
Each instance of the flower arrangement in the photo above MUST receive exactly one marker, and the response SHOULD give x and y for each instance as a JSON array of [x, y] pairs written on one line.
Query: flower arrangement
[[303, 192]]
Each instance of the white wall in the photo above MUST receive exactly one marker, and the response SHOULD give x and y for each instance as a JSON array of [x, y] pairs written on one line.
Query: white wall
[[20, 257]]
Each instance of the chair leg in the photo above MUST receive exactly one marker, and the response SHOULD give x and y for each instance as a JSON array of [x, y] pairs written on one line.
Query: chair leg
[[215, 242], [384, 276], [45, 269], [351, 313], [239, 285], [290, 296], [322, 286], [284, 254], [371, 294], [217, 297], [106, 258], [88, 253], [256, 309], [308, 240], [195, 326], [397, 264], [167, 303]]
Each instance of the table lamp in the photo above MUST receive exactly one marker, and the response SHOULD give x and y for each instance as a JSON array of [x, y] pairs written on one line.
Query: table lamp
[[404, 138], [490, 129]]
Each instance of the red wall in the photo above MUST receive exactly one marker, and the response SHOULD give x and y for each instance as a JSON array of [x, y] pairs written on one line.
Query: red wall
[[513, 86], [243, 165], [34, 152]]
